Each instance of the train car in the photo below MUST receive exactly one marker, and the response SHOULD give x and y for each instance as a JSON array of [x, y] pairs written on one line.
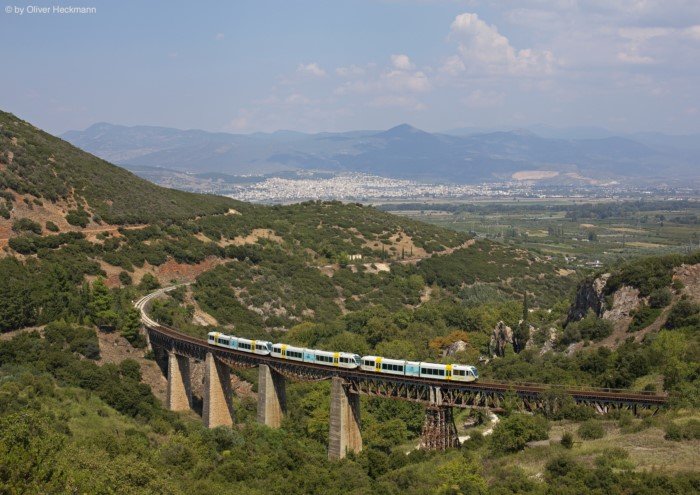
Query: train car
[[222, 340], [380, 364], [464, 373], [412, 368], [285, 351], [337, 359], [436, 371], [262, 347]]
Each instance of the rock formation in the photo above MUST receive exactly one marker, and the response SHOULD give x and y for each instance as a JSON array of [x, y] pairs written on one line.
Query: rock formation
[[589, 296], [501, 337]]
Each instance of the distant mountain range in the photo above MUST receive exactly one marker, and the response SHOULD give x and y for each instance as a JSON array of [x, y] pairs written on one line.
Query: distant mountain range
[[462, 155]]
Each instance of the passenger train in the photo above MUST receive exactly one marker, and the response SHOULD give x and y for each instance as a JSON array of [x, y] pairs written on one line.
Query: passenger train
[[376, 364]]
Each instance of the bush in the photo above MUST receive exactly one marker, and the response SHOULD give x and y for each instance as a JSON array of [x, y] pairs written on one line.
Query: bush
[[660, 298], [591, 430], [614, 458], [513, 433], [643, 317], [125, 278], [26, 225], [567, 440], [50, 226], [683, 314], [149, 282], [687, 431], [589, 328], [78, 218]]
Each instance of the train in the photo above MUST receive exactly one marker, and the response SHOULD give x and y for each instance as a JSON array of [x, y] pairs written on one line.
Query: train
[[348, 360]]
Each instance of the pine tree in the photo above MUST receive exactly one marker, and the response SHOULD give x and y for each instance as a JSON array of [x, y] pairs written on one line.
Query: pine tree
[[522, 332]]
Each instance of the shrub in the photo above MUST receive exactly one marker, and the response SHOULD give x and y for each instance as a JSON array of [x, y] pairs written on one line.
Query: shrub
[[561, 466], [125, 278], [660, 298], [51, 226], [26, 225], [614, 458], [687, 431], [643, 317], [567, 440], [79, 218], [149, 282], [589, 328], [684, 313], [591, 430], [513, 433]]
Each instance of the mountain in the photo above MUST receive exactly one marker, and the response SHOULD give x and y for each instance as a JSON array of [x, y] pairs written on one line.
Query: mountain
[[43, 167], [402, 152]]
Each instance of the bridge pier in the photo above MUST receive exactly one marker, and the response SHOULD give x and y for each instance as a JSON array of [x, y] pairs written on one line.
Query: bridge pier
[[218, 407], [439, 431], [345, 433], [179, 395], [272, 397]]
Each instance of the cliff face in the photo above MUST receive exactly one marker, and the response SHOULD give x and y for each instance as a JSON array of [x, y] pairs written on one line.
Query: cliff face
[[589, 297]]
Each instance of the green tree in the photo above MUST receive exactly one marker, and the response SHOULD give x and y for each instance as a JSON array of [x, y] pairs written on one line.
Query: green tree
[[522, 332], [102, 304]]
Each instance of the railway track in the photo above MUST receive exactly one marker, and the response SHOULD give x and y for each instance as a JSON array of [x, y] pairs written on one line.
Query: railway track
[[531, 390]]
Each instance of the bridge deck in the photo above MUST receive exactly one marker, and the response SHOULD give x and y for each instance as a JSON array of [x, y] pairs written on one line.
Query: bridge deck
[[198, 348]]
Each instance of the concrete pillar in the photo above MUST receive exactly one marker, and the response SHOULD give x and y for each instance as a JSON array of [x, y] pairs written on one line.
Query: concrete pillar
[[218, 406], [272, 397], [179, 386], [344, 421], [439, 430]]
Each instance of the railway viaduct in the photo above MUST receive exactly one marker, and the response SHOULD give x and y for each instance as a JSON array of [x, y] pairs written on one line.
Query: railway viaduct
[[439, 397]]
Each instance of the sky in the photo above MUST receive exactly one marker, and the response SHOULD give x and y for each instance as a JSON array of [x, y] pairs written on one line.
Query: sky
[[334, 65]]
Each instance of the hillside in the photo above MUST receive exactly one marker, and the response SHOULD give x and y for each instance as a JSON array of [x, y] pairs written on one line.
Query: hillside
[[81, 410], [43, 168], [401, 152]]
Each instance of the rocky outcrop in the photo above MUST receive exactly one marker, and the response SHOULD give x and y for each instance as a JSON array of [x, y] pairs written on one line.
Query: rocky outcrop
[[589, 296], [502, 336], [625, 300], [550, 340], [455, 347]]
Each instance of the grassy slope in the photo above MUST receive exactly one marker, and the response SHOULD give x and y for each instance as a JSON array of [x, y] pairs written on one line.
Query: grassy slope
[[50, 168]]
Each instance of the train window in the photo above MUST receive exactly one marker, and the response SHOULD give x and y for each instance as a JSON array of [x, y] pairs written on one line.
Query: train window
[[441, 372]]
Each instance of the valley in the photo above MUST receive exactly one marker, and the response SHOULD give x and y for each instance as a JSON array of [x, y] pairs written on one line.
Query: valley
[[86, 239]]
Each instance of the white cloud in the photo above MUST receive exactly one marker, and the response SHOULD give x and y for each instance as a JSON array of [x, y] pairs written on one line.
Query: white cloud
[[390, 80], [297, 99], [312, 69], [482, 47], [693, 32], [634, 58], [398, 80], [401, 62], [453, 65], [350, 71]]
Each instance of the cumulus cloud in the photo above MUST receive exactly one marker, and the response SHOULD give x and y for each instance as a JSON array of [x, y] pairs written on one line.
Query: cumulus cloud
[[483, 47], [390, 80], [311, 69], [401, 62]]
